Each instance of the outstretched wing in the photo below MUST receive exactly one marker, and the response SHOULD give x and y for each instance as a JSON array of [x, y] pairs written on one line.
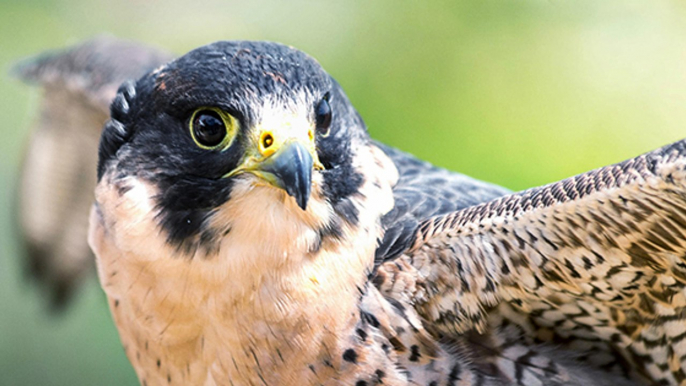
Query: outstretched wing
[[422, 191], [593, 261], [58, 176]]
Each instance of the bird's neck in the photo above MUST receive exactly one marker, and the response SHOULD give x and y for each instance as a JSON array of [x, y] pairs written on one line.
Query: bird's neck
[[276, 298]]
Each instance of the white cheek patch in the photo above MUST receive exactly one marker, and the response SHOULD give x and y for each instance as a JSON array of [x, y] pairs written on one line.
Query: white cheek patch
[[129, 213]]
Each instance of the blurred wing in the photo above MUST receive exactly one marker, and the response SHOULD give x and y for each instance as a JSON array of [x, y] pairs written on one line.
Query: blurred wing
[[423, 191], [58, 176], [597, 260]]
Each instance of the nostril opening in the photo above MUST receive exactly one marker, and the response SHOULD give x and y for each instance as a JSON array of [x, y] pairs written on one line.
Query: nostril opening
[[267, 141]]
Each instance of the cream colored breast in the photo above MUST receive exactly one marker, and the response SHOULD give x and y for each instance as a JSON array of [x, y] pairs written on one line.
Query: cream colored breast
[[270, 295]]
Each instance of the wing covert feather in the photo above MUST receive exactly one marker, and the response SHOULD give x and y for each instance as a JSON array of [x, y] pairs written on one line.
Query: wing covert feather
[[422, 191], [598, 258]]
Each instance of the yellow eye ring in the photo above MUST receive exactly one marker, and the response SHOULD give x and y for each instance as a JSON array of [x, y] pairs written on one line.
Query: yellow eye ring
[[212, 128]]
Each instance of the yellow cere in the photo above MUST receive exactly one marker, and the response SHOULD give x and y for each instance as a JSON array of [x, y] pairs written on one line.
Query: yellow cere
[[266, 144]]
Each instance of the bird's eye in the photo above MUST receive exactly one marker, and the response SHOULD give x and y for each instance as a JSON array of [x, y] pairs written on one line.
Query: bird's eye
[[212, 128], [322, 115]]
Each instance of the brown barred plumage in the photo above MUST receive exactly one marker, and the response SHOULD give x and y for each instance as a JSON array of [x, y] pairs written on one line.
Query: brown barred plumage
[[595, 261]]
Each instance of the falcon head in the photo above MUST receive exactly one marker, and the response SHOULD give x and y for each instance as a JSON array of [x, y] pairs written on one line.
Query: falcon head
[[236, 134]]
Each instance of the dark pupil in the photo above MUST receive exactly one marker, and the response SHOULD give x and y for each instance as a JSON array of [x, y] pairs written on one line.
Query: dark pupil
[[208, 128], [323, 115]]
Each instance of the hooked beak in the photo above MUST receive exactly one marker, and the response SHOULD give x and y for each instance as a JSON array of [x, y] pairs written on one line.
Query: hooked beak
[[290, 169], [286, 164]]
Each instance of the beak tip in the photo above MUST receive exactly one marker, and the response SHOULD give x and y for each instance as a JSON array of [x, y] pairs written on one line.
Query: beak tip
[[302, 203], [300, 193], [292, 167]]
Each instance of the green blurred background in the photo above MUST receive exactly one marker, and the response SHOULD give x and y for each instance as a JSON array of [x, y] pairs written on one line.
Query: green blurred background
[[515, 92]]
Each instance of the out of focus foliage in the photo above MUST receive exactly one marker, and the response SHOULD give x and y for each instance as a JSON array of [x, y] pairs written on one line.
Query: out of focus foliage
[[516, 92]]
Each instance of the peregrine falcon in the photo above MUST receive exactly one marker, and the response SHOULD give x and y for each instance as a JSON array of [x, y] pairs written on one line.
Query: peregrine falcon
[[248, 231]]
